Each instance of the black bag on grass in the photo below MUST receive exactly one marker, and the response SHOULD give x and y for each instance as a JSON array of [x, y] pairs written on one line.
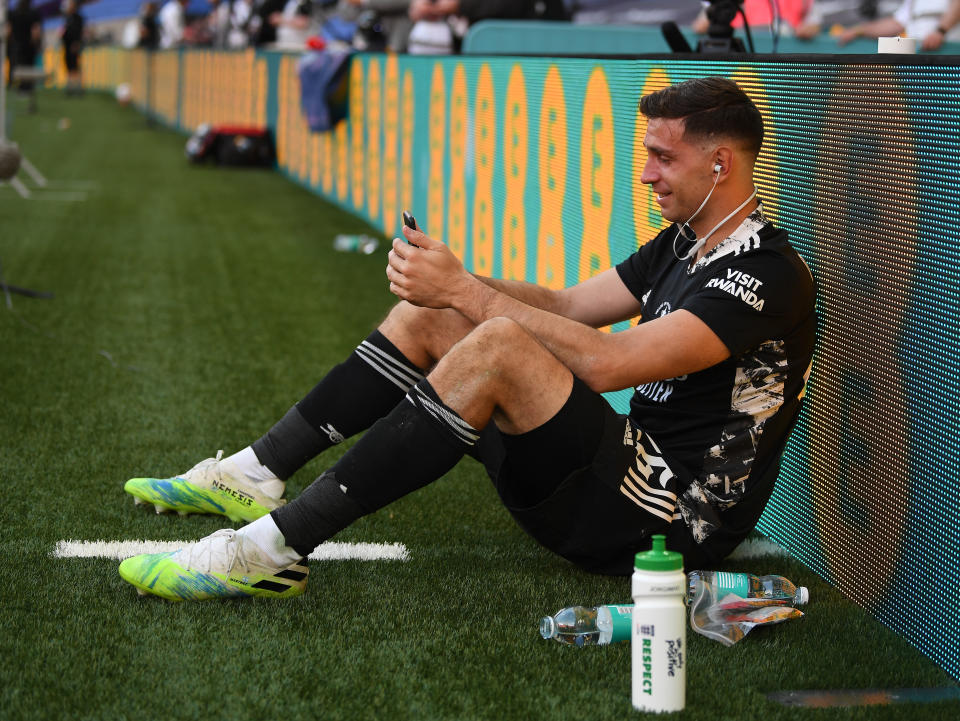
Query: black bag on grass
[[232, 145]]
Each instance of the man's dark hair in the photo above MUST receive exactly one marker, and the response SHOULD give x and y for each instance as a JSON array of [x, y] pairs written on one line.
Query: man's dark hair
[[710, 107]]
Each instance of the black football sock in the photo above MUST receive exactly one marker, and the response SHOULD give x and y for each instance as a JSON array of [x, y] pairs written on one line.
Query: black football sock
[[354, 394], [418, 442]]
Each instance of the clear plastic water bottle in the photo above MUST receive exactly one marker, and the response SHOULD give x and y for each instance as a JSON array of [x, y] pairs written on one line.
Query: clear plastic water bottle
[[355, 243], [588, 626], [745, 585], [659, 641]]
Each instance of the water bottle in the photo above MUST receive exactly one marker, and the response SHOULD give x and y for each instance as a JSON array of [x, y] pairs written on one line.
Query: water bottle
[[582, 626], [774, 588], [355, 243], [659, 640]]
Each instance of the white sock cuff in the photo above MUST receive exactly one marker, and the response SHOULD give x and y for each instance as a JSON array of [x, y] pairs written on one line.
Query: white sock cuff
[[248, 463], [267, 537]]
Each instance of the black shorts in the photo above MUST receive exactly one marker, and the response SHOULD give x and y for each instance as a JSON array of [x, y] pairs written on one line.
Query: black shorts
[[587, 485]]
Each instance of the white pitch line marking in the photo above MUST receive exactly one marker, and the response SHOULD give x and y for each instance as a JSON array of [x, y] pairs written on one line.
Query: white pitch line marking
[[329, 551]]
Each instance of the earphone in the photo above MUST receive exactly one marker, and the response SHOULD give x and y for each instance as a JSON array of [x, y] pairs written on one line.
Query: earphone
[[685, 226], [698, 243]]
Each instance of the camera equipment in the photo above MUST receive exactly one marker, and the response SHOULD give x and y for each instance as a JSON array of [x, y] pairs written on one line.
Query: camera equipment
[[675, 39], [720, 38]]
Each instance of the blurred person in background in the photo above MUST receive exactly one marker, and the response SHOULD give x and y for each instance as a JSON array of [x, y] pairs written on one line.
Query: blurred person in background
[[805, 19], [948, 21], [172, 19], [920, 19], [833, 15], [218, 23], [632, 12], [25, 39], [241, 18], [390, 19], [440, 25], [761, 13], [263, 30], [72, 39], [149, 26], [474, 10], [294, 24]]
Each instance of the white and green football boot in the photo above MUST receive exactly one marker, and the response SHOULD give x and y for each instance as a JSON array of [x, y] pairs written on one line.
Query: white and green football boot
[[212, 486], [225, 564]]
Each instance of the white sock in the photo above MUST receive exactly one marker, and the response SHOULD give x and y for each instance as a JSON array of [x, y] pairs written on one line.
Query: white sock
[[247, 461], [267, 537]]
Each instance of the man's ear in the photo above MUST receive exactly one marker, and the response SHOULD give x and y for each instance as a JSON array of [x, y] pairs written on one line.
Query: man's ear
[[723, 157]]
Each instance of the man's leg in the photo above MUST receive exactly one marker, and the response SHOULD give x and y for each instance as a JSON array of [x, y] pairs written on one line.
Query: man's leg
[[362, 389], [480, 379], [354, 394]]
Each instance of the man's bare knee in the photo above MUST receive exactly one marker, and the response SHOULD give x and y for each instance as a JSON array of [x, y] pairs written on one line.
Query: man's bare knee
[[508, 350], [501, 339], [501, 370], [424, 335]]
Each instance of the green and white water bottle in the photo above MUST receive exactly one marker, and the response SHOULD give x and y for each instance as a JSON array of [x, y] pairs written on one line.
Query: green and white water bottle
[[774, 588], [588, 626], [659, 640]]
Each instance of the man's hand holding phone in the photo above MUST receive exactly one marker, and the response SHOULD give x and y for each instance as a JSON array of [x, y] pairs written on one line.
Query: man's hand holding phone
[[409, 222], [424, 271]]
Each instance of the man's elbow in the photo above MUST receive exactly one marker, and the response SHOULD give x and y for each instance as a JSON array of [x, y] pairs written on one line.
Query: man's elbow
[[601, 375]]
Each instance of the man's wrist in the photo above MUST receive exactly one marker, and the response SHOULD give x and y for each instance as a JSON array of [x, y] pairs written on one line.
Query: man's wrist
[[475, 298], [942, 30]]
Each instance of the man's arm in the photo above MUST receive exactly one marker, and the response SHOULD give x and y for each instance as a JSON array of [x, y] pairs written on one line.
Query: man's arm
[[950, 17], [679, 343], [596, 302], [879, 28]]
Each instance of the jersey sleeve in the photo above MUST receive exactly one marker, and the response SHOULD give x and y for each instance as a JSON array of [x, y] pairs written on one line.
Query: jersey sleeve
[[752, 298], [635, 271]]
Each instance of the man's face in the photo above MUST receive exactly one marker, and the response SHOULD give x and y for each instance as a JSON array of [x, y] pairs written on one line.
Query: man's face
[[680, 173]]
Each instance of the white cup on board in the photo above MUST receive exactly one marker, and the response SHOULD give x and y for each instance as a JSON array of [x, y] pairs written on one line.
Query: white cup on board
[[907, 46]]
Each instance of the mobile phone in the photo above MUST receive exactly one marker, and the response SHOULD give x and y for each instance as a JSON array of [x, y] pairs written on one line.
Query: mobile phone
[[410, 222]]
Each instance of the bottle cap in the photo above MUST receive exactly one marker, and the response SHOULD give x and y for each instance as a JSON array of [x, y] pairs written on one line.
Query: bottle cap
[[548, 627], [658, 558], [803, 595]]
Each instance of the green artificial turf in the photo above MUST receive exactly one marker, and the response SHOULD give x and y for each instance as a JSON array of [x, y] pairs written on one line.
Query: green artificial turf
[[193, 306]]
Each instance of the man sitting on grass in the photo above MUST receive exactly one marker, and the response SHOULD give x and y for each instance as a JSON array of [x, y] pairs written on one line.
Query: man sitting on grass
[[511, 374]]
